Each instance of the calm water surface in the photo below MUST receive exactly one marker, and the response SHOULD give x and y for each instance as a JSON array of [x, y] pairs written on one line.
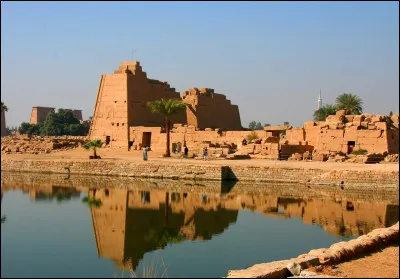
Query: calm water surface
[[49, 230]]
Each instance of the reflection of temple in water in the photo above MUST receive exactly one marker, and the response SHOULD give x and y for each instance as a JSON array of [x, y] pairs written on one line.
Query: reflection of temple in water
[[128, 223], [45, 191], [342, 217], [60, 193]]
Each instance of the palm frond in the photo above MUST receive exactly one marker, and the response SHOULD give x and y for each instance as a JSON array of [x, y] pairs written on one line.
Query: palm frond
[[4, 107], [93, 144], [166, 107], [349, 102]]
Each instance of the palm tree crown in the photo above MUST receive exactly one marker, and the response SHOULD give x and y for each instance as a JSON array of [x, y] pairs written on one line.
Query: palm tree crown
[[351, 103], [167, 107], [93, 144], [4, 107]]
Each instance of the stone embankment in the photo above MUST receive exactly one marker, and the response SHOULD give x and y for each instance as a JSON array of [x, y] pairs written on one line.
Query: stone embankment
[[367, 179], [336, 253]]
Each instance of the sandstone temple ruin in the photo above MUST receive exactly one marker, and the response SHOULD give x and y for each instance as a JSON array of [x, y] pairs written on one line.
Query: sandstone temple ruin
[[121, 119], [339, 134], [38, 114], [121, 107]]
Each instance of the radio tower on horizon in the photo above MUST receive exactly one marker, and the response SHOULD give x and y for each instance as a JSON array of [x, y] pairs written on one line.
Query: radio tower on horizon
[[319, 100]]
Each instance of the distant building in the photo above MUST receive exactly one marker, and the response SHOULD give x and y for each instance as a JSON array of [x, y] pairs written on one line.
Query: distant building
[[38, 114]]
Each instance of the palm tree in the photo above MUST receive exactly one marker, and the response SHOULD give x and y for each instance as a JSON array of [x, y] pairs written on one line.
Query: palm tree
[[167, 107], [93, 144], [351, 103], [322, 113], [4, 107]]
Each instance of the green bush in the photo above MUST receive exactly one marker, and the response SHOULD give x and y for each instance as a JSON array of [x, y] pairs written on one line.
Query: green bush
[[359, 152], [252, 136], [58, 123]]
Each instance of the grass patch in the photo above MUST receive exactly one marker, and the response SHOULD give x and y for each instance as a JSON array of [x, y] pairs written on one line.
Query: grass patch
[[155, 269]]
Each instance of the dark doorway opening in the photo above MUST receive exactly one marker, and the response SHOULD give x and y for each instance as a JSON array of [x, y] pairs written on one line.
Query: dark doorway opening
[[350, 146], [108, 139], [174, 147], [145, 197], [146, 139], [349, 206]]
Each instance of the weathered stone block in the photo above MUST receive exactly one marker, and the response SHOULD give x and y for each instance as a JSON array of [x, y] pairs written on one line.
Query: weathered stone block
[[266, 270]]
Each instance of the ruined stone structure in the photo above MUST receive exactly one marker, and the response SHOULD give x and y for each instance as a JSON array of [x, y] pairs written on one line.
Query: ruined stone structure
[[210, 110], [345, 133], [38, 114], [78, 114], [121, 105], [3, 124], [339, 133]]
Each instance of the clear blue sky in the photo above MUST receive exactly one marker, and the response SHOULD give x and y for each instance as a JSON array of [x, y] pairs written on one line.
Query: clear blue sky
[[270, 58]]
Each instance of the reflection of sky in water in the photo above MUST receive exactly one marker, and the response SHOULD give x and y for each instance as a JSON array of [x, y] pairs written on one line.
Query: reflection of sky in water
[[55, 237]]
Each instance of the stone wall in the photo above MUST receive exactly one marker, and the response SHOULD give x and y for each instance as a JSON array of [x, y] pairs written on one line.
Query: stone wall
[[111, 114], [211, 110], [217, 141], [368, 180], [192, 137], [112, 168]]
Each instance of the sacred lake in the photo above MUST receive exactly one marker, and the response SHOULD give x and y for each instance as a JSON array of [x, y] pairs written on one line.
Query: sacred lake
[[91, 226]]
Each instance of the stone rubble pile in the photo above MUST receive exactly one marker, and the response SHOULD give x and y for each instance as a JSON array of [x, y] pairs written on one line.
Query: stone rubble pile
[[40, 144], [392, 158]]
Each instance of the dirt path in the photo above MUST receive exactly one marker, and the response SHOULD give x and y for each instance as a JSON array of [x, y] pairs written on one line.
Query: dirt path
[[382, 264]]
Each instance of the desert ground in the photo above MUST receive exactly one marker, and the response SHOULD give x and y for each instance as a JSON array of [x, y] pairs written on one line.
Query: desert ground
[[381, 264]]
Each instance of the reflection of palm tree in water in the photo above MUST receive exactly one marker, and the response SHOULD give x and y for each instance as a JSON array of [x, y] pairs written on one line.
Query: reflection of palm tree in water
[[168, 234], [166, 209]]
